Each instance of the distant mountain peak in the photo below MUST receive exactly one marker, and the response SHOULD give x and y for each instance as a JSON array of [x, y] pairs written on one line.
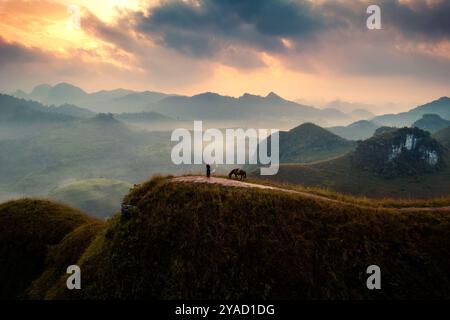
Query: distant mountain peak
[[207, 94], [444, 99], [249, 95], [272, 95], [65, 85], [105, 118]]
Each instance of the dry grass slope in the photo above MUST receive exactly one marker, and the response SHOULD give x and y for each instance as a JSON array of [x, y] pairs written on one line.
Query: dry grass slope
[[185, 240], [197, 241], [28, 230]]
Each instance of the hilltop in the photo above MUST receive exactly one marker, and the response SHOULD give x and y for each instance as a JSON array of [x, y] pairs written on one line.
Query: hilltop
[[220, 241], [358, 130], [309, 142]]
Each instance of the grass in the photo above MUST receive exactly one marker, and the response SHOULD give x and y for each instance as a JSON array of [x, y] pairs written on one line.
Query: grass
[[396, 203], [202, 241], [338, 176], [207, 241], [28, 229]]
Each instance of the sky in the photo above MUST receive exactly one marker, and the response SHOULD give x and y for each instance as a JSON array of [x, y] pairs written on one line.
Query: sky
[[313, 50]]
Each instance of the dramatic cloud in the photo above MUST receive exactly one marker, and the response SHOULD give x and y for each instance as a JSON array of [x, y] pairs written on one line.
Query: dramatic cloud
[[429, 20], [204, 28], [294, 47], [15, 53], [298, 29]]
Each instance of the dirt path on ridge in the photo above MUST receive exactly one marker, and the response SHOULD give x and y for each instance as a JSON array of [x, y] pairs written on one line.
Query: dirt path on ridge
[[243, 184]]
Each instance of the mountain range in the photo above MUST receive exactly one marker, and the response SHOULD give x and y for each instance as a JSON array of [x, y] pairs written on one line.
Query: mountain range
[[206, 106], [114, 101], [259, 110], [440, 107], [431, 123]]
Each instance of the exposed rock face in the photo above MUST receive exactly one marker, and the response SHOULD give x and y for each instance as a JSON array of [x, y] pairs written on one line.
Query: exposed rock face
[[406, 151]]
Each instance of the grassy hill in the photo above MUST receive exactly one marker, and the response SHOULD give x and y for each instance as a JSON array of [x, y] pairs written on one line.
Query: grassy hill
[[431, 123], [82, 149], [198, 241], [358, 130], [19, 111], [440, 107], [340, 175], [443, 136], [28, 230], [309, 142], [370, 173], [98, 197]]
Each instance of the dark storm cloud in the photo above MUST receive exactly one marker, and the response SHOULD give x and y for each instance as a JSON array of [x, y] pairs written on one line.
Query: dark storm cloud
[[117, 34], [14, 53], [430, 21], [204, 30]]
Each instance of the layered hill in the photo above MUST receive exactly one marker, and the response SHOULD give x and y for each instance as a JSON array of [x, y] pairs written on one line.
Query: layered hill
[[309, 142], [440, 107], [431, 123], [269, 110], [99, 197], [183, 239], [19, 111], [116, 101], [86, 148], [358, 130], [404, 163]]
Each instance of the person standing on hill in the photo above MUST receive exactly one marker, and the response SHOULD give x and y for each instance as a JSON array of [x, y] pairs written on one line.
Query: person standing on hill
[[208, 170]]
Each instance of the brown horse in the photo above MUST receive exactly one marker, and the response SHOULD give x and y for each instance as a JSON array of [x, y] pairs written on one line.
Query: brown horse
[[237, 173]]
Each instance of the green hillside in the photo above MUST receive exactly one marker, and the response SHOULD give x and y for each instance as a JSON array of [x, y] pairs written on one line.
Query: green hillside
[[381, 167], [270, 245], [431, 123], [210, 241], [82, 149], [19, 111], [309, 142], [359, 130], [340, 175], [98, 197], [440, 107], [28, 228], [443, 136]]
